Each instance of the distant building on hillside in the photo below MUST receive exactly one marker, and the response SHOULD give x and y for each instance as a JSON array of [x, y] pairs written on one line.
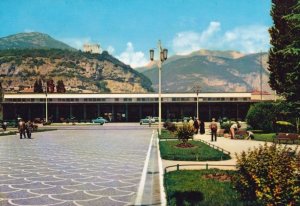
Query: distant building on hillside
[[93, 48]]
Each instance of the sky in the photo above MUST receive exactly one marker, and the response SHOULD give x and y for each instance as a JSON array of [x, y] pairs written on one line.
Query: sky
[[129, 28]]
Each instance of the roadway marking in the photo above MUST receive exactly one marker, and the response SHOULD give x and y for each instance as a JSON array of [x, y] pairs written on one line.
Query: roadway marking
[[161, 177], [138, 200]]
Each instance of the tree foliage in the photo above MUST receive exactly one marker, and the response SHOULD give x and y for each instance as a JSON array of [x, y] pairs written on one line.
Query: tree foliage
[[60, 87], [269, 174], [38, 86], [262, 116], [284, 55]]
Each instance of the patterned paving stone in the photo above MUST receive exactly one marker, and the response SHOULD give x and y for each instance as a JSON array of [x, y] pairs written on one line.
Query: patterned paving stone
[[110, 192], [31, 185], [41, 200], [4, 203], [68, 168], [55, 190], [17, 195], [114, 184], [6, 188], [101, 201], [79, 195], [84, 187]]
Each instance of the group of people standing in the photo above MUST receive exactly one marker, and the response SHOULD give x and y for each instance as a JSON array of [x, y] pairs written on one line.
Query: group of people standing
[[25, 129], [198, 125]]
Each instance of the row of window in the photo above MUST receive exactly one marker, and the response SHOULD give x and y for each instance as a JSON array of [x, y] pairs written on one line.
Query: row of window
[[127, 99]]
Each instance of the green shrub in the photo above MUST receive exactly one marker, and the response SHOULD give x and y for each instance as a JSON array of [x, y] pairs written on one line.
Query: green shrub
[[226, 126], [261, 116], [283, 126], [170, 126], [185, 132], [269, 174]]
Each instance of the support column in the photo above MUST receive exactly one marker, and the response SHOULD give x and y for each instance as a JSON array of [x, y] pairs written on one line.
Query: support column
[[84, 112], [154, 110], [29, 112], [168, 111], [126, 112], [71, 110], [98, 110], [56, 112], [223, 111], [209, 112], [237, 111], [140, 111], [181, 111], [113, 112]]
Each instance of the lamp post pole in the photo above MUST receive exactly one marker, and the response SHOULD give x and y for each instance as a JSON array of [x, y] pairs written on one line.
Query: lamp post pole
[[197, 90], [46, 87], [163, 55]]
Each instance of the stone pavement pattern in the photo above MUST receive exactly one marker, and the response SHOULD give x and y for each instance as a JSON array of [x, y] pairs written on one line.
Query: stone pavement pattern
[[73, 167]]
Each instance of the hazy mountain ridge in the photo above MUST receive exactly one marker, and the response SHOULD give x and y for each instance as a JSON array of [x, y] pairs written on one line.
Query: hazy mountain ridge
[[32, 40], [215, 71]]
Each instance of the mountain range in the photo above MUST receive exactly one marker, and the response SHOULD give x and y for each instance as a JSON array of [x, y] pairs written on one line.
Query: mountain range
[[214, 71], [25, 56]]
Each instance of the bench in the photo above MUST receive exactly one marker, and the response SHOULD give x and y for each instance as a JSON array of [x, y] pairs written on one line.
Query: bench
[[220, 132], [286, 137], [241, 134]]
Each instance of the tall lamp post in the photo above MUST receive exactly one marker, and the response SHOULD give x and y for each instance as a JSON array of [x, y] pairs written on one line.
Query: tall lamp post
[[163, 55], [46, 94], [196, 89]]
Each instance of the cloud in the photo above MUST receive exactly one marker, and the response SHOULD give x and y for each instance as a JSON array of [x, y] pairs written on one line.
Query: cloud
[[76, 42], [110, 49], [132, 57], [247, 39]]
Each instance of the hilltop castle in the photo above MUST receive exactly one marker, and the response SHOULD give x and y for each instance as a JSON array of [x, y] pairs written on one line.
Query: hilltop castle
[[93, 48]]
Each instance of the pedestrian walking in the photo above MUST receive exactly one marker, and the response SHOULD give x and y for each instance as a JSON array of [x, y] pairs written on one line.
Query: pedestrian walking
[[28, 129], [21, 128], [202, 127], [196, 126], [213, 127]]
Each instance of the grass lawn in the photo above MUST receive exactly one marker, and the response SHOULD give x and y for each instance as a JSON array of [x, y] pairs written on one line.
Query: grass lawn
[[189, 187], [166, 134], [201, 152], [268, 137]]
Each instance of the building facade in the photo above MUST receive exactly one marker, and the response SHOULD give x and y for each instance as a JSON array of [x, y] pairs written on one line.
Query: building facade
[[128, 107]]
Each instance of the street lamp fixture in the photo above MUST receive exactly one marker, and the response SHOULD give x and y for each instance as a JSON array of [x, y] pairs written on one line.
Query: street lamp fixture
[[163, 55]]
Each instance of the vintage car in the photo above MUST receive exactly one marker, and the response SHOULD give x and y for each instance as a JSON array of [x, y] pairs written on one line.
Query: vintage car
[[146, 120], [99, 120]]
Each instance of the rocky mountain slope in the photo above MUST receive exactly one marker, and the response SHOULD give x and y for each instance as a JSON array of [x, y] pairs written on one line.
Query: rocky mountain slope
[[215, 71], [32, 40], [81, 72]]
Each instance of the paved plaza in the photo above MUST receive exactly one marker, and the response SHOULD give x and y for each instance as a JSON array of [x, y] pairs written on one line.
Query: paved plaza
[[91, 165]]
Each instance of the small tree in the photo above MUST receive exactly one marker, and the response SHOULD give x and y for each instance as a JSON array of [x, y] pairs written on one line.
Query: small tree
[[38, 86], [50, 86], [185, 132], [60, 88]]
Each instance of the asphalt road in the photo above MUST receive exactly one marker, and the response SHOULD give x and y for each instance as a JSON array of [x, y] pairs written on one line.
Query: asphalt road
[[75, 165]]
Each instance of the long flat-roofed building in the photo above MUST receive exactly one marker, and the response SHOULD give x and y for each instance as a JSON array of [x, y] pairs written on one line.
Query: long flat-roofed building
[[128, 107]]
